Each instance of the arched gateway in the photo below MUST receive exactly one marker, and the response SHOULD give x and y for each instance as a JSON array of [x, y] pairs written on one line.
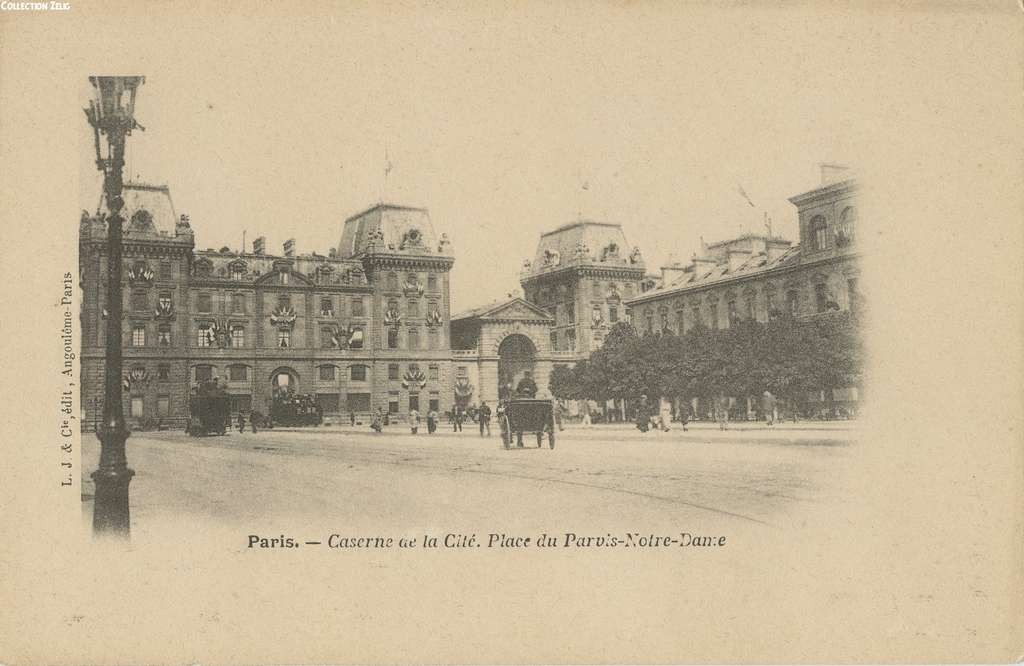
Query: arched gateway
[[516, 357]]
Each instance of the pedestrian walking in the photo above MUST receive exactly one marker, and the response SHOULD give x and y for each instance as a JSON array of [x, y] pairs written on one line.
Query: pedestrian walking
[[431, 422], [643, 415], [768, 408], [485, 418], [722, 412], [457, 421], [253, 418], [559, 409], [352, 418], [414, 421], [241, 423], [684, 414]]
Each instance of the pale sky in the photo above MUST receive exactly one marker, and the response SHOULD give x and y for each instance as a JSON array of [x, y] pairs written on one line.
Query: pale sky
[[279, 125]]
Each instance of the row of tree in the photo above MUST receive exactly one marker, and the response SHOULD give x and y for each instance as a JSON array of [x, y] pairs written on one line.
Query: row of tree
[[791, 357]]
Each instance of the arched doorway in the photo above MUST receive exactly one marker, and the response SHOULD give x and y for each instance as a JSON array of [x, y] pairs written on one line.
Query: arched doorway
[[516, 359], [284, 381]]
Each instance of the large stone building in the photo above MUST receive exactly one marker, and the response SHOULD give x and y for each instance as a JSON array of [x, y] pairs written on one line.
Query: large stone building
[[366, 326], [583, 274], [758, 277]]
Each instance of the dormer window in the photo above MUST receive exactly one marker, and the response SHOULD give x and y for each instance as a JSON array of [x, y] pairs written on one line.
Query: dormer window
[[847, 224], [819, 233]]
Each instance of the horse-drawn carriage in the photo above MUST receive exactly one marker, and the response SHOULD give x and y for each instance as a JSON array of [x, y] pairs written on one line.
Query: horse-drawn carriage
[[209, 411], [519, 415], [295, 410]]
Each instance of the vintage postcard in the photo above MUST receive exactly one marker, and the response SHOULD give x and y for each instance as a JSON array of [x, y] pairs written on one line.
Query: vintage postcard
[[540, 333]]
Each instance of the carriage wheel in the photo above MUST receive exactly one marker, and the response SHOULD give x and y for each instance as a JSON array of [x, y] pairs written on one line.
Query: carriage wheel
[[506, 431]]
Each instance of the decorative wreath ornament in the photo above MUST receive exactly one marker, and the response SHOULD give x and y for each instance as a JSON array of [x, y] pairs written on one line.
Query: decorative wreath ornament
[[140, 272], [463, 389], [434, 318], [283, 316], [414, 376], [135, 377], [392, 317], [164, 310]]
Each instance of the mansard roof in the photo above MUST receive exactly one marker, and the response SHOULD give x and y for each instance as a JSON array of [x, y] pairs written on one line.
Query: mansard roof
[[583, 242], [390, 229]]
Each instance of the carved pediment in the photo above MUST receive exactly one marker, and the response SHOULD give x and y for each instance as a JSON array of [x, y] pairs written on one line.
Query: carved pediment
[[517, 309]]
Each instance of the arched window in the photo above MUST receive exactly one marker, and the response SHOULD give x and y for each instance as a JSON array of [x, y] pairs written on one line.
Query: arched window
[[847, 226], [819, 233]]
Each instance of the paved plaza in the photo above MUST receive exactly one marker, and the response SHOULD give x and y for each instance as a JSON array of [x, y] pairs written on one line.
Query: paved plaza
[[598, 478]]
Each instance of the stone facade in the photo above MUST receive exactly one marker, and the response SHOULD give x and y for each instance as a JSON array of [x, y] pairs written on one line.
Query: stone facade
[[583, 275], [496, 344], [366, 326], [757, 277]]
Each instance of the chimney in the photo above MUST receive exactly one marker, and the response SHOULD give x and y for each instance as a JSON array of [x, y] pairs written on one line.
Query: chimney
[[289, 247], [701, 266], [833, 173], [737, 257], [671, 272], [776, 247], [259, 245]]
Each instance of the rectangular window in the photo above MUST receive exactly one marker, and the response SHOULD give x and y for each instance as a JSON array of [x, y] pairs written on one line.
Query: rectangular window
[[613, 314], [393, 402], [140, 302], [570, 313], [326, 307], [554, 340], [462, 371], [412, 307], [284, 278], [163, 405], [731, 311], [163, 372], [204, 373], [751, 313], [714, 316], [326, 373], [414, 338], [204, 336], [165, 270], [357, 307], [238, 336], [238, 303], [135, 406], [238, 373], [241, 403], [432, 338], [435, 403], [326, 338], [204, 303], [163, 335], [432, 283], [357, 402], [769, 304], [330, 403], [357, 373], [138, 336], [433, 373], [392, 338], [414, 401], [570, 339], [821, 297], [393, 371], [792, 301], [284, 339]]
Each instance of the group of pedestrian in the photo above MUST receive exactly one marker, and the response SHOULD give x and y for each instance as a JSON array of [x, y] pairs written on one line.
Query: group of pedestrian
[[241, 422]]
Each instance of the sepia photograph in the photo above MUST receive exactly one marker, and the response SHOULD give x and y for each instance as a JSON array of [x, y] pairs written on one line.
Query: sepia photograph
[[437, 333]]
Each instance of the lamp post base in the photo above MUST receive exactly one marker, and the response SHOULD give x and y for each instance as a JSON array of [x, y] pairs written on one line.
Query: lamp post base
[[110, 515]]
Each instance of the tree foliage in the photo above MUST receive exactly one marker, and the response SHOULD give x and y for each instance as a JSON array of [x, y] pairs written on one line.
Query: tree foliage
[[788, 356]]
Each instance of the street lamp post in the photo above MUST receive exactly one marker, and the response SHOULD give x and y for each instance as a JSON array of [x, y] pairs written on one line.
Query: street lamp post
[[111, 114]]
